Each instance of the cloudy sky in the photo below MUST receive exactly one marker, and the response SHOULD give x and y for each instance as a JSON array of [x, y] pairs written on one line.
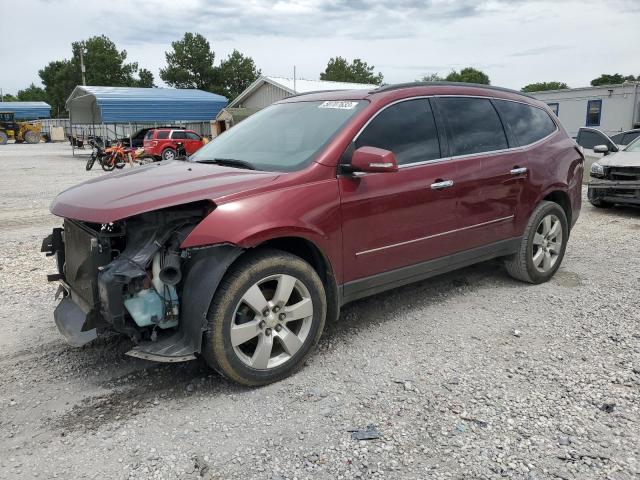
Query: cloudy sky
[[516, 42]]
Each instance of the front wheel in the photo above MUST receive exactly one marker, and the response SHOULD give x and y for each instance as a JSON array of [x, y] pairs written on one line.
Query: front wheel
[[542, 246], [266, 317], [91, 161], [108, 163]]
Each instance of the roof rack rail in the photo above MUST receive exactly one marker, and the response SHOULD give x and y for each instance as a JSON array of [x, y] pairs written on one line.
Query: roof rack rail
[[315, 91], [398, 86]]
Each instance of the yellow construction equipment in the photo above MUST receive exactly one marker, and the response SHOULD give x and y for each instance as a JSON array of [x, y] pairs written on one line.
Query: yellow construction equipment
[[19, 131]]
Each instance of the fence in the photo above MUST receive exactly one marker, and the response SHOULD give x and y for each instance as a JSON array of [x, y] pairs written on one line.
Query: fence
[[114, 131]]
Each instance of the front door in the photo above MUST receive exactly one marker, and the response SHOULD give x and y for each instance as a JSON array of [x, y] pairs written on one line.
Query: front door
[[394, 220]]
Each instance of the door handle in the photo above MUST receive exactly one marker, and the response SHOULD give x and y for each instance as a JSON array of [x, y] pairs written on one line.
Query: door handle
[[518, 170], [442, 184]]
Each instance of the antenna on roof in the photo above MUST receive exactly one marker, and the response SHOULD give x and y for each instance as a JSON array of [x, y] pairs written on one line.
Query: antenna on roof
[[294, 80]]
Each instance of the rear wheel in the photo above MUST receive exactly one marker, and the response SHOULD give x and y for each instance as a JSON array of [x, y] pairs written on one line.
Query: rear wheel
[[168, 154], [3, 138], [32, 137], [265, 319], [543, 245]]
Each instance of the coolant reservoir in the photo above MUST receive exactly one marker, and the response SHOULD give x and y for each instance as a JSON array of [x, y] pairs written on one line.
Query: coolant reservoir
[[147, 308]]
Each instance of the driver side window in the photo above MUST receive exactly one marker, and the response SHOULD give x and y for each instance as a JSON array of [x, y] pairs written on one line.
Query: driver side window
[[407, 129]]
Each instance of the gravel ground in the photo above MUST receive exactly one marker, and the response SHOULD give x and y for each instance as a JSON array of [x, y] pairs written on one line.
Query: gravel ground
[[468, 375]]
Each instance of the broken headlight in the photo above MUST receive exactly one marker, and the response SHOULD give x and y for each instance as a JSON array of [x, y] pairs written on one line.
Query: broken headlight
[[597, 170]]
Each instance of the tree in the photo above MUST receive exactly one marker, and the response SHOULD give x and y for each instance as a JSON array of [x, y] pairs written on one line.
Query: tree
[[468, 75], [236, 73], [540, 86], [7, 97], [104, 64], [339, 70], [59, 79], [145, 79], [433, 77], [190, 64], [616, 78], [32, 94]]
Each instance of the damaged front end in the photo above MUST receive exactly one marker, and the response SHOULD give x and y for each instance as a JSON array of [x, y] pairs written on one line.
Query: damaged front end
[[615, 184], [131, 277]]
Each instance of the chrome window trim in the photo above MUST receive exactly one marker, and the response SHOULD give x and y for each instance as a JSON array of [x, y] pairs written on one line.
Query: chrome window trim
[[468, 155], [408, 242]]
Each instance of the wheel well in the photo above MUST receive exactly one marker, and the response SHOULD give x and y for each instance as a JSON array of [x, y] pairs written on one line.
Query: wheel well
[[309, 252], [562, 199], [305, 250]]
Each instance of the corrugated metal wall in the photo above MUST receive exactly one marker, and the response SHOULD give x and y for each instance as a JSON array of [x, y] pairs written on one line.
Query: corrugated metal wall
[[27, 110], [265, 96]]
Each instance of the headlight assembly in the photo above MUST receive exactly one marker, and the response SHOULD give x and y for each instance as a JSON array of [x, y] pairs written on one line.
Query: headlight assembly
[[597, 170]]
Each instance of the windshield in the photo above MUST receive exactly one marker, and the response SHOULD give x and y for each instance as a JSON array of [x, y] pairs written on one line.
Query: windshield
[[633, 146], [282, 137]]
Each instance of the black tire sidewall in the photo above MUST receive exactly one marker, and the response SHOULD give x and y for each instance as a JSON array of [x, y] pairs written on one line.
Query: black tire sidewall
[[163, 156], [547, 209], [220, 323]]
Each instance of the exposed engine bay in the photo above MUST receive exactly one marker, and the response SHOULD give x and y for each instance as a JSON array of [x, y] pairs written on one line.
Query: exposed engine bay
[[128, 276]]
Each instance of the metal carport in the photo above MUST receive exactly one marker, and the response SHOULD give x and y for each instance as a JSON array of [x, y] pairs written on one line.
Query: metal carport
[[27, 110], [92, 105]]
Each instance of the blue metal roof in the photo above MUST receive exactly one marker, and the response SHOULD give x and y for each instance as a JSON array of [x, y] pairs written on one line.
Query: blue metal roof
[[27, 110], [89, 104]]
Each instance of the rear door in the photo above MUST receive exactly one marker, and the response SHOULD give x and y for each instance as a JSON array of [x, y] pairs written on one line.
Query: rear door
[[488, 192]]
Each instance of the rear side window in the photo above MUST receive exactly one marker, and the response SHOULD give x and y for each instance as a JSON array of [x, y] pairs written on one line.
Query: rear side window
[[407, 129], [629, 137], [148, 135], [474, 125], [529, 124], [162, 134]]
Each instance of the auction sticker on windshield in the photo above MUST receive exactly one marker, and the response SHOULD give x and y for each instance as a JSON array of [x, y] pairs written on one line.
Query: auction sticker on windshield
[[340, 105]]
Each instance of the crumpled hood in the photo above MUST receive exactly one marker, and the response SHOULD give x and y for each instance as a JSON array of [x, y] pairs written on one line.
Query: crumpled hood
[[130, 192], [621, 159]]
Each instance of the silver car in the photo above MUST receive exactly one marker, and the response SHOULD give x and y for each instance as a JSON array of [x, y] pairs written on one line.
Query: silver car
[[615, 178]]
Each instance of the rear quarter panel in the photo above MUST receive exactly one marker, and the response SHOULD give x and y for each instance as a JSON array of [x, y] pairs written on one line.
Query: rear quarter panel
[[556, 165]]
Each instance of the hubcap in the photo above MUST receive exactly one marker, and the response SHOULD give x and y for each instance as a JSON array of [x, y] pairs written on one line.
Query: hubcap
[[169, 155], [271, 322], [547, 243]]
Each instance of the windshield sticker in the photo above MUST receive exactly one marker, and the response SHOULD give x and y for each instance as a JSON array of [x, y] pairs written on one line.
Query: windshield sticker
[[340, 105]]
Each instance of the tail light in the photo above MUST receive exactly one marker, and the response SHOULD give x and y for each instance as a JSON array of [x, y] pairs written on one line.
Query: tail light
[[154, 143]]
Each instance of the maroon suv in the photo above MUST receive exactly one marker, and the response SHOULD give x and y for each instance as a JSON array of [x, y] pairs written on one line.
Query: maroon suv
[[240, 254]]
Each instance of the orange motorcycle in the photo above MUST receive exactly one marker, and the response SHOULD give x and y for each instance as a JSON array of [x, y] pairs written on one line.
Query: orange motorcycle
[[117, 156]]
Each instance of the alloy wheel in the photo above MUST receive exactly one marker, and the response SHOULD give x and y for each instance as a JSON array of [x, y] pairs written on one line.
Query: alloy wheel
[[547, 243], [271, 322]]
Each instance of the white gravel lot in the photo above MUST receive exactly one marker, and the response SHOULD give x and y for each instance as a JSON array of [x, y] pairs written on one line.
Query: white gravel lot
[[470, 375]]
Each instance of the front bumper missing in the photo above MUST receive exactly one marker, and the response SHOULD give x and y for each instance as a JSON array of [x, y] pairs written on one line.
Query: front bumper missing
[[614, 191], [70, 319]]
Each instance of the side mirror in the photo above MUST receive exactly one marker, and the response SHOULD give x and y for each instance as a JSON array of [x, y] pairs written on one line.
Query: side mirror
[[601, 149], [372, 159]]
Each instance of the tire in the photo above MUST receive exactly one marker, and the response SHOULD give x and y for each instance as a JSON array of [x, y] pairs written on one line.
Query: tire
[[90, 162], [168, 154], [261, 355], [3, 138], [32, 137], [108, 164], [532, 263]]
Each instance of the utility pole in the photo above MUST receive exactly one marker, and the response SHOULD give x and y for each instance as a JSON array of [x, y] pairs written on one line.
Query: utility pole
[[1, 96], [294, 79], [82, 68]]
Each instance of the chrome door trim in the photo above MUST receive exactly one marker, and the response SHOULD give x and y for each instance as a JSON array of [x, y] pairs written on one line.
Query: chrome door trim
[[408, 242]]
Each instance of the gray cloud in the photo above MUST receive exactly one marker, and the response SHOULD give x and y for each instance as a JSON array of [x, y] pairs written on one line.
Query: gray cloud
[[540, 50]]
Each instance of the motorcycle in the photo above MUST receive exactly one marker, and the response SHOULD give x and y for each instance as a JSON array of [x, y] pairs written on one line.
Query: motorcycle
[[98, 154]]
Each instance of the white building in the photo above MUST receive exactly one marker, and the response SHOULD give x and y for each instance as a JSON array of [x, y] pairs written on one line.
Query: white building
[[267, 90], [609, 108]]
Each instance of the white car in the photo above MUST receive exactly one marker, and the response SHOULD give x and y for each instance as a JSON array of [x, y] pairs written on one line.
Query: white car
[[588, 138]]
